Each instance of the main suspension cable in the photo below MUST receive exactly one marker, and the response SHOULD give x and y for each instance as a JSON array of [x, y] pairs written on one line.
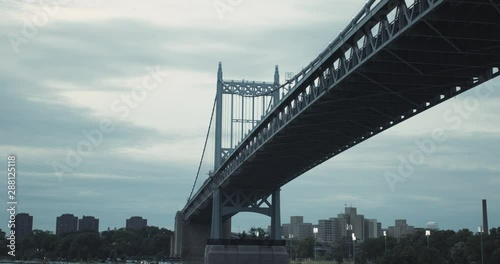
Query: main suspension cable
[[204, 148]]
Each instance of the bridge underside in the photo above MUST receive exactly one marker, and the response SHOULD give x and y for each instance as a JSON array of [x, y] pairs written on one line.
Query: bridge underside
[[383, 71], [446, 52], [410, 73]]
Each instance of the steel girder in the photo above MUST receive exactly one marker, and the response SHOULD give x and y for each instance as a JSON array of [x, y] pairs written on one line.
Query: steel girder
[[235, 201], [249, 89]]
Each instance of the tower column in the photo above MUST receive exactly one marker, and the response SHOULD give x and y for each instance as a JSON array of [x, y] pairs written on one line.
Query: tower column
[[216, 215], [276, 94], [276, 216], [218, 120]]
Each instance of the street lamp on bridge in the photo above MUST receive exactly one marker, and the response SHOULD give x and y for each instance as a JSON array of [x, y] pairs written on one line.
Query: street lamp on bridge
[[480, 230], [354, 247], [348, 228], [315, 231], [427, 234], [385, 241]]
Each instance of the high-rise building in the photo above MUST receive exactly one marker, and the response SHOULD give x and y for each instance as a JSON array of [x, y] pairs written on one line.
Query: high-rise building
[[305, 230], [136, 222], [285, 230], [400, 229], [297, 229], [338, 228], [295, 220], [88, 223], [66, 223], [325, 231], [24, 225], [371, 228], [346, 224]]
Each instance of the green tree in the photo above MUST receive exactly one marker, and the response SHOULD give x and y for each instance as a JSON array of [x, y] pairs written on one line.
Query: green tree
[[305, 248], [3, 244], [495, 257], [458, 253], [340, 249], [373, 248], [243, 235], [409, 255], [430, 256], [253, 233]]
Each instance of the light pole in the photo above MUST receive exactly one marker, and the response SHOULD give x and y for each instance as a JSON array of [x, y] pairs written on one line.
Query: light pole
[[480, 231], [315, 231], [427, 234], [257, 234], [385, 241], [354, 247], [290, 236], [348, 228]]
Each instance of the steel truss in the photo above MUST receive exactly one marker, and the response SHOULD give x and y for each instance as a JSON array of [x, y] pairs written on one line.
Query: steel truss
[[228, 202], [249, 89]]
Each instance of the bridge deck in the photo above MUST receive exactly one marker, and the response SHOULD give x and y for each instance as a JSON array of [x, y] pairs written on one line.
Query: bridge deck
[[414, 69], [401, 71]]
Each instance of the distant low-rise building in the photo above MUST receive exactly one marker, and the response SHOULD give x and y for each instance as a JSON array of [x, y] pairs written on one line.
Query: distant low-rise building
[[136, 222], [296, 229], [400, 229]]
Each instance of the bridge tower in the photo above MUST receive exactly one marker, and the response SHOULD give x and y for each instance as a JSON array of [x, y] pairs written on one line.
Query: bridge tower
[[248, 102], [239, 106]]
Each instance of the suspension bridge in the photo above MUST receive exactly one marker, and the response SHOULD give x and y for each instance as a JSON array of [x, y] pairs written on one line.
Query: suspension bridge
[[394, 60]]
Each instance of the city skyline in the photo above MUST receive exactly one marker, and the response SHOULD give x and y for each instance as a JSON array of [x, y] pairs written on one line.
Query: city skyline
[[86, 223], [430, 224], [333, 229], [59, 85]]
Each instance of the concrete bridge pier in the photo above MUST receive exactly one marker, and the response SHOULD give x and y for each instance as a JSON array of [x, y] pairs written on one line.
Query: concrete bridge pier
[[245, 251], [190, 239], [220, 250]]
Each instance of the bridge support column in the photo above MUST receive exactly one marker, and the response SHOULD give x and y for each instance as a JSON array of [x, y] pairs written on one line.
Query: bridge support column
[[276, 216], [218, 120], [190, 240], [216, 215], [176, 246], [222, 250]]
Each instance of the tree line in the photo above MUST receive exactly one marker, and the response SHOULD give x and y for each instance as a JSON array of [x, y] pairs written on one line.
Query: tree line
[[148, 243], [443, 247], [153, 243]]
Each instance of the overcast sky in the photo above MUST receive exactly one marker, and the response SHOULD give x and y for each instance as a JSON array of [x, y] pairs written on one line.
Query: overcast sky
[[68, 69]]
